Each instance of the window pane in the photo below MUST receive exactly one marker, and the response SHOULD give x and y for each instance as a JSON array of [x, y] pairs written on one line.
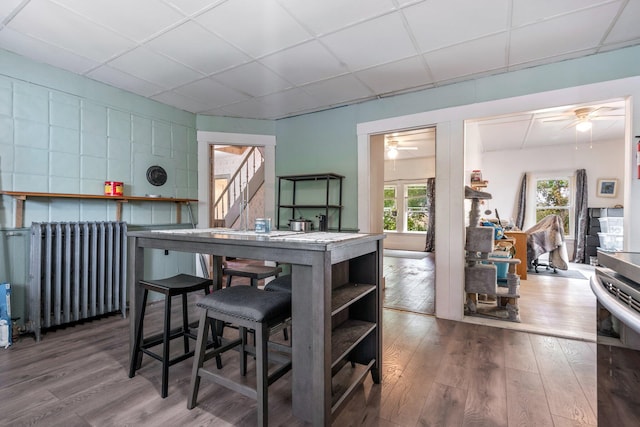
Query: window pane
[[390, 212], [417, 218], [552, 192], [553, 198]]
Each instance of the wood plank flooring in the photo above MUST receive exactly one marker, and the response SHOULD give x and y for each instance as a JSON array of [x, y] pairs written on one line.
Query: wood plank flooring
[[549, 304], [435, 372]]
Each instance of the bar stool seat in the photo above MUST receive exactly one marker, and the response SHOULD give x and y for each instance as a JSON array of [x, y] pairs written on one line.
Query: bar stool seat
[[280, 284], [253, 271], [248, 308], [181, 284]]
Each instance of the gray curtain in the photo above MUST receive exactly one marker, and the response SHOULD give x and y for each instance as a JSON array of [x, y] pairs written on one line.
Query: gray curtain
[[582, 217], [430, 245], [522, 202]]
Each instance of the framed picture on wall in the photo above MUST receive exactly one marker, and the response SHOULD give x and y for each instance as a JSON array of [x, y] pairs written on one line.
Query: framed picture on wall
[[607, 187]]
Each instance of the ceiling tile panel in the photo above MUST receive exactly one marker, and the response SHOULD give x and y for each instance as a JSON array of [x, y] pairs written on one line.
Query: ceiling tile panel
[[258, 27], [251, 108], [561, 35], [528, 12], [289, 102], [305, 63], [129, 18], [211, 93], [50, 22], [338, 90], [189, 7], [253, 79], [374, 42], [395, 76], [329, 15], [180, 101], [125, 81], [7, 7], [297, 56], [208, 54], [154, 68], [43, 52], [628, 26], [440, 23], [474, 57]]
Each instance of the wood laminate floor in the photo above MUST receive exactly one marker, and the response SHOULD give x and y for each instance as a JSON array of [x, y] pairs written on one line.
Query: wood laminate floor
[[435, 372], [550, 304]]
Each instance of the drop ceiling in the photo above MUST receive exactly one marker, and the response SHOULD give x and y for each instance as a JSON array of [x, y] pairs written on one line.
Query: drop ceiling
[[270, 59]]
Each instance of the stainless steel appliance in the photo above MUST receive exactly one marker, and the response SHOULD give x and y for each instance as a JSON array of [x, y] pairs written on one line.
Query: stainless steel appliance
[[616, 286]]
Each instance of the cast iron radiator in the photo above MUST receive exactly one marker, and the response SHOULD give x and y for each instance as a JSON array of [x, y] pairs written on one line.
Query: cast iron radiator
[[77, 271]]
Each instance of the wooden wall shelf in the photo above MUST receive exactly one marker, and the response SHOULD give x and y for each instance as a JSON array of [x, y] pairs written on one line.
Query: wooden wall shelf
[[22, 196]]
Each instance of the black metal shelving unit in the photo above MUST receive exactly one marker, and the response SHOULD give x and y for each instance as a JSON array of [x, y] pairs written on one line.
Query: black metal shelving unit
[[329, 178]]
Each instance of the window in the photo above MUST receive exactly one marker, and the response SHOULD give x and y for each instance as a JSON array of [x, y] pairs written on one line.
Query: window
[[416, 207], [390, 211], [405, 208], [553, 197]]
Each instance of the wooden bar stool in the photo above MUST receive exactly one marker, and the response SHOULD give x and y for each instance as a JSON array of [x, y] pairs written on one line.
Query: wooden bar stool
[[253, 271], [181, 284], [248, 308]]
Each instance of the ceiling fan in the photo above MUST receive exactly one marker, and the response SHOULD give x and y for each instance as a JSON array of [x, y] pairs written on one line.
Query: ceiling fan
[[392, 147], [581, 118]]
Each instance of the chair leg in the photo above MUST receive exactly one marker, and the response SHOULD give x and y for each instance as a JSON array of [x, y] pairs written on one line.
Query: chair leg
[[201, 346], [229, 280], [262, 378], [185, 323], [243, 353], [165, 346], [136, 354]]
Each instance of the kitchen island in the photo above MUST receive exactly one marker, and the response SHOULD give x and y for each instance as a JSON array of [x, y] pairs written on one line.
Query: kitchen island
[[336, 302]]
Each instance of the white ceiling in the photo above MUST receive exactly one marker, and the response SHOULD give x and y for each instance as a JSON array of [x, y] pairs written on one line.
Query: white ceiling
[[269, 59]]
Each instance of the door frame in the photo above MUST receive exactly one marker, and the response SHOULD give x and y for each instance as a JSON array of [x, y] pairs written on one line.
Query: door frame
[[206, 139]]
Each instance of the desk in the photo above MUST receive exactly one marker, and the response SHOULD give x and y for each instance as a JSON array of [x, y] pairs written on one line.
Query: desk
[[520, 238], [336, 282]]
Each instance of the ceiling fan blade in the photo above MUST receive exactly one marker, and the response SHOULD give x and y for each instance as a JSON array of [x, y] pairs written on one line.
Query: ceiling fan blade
[[231, 149], [572, 124], [608, 117], [556, 118]]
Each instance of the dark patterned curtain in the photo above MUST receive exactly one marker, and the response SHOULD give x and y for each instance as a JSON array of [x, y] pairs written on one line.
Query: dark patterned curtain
[[582, 217], [522, 202], [431, 211]]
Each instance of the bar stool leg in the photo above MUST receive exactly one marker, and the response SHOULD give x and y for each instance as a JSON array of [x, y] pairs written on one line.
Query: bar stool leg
[[165, 346], [262, 378], [185, 323], [198, 359], [136, 355]]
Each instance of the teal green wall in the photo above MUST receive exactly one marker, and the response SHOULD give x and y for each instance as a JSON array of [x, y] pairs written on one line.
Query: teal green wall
[[63, 133], [327, 141], [234, 125]]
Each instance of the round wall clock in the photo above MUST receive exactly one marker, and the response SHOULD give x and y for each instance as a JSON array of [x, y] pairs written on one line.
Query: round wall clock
[[156, 175]]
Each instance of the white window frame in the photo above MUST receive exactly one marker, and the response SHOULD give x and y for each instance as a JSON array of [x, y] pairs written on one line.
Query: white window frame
[[570, 177], [405, 206]]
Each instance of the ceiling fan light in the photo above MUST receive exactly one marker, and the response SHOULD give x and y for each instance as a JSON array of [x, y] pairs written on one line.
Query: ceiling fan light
[[583, 126], [392, 153]]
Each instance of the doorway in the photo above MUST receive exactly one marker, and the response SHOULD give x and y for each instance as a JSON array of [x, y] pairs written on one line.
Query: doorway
[[546, 147], [407, 215], [205, 168]]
